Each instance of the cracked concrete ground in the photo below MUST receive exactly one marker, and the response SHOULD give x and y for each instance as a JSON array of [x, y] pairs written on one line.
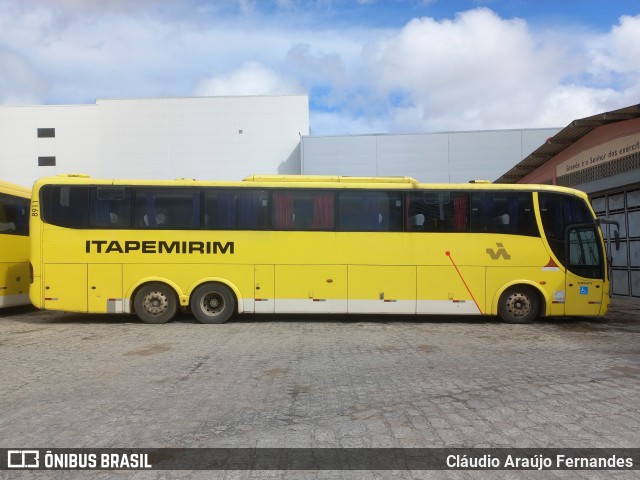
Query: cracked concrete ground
[[72, 380]]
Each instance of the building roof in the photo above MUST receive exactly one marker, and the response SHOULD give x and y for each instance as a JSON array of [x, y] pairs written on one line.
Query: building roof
[[563, 139]]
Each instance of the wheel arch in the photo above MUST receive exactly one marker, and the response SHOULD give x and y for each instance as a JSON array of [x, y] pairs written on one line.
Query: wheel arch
[[542, 296], [234, 289], [135, 287]]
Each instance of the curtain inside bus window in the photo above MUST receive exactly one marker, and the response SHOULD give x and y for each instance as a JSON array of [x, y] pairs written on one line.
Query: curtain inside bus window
[[371, 212], [149, 218], [411, 220], [283, 210], [323, 212], [460, 213], [249, 209], [513, 211], [100, 213], [195, 212], [226, 211]]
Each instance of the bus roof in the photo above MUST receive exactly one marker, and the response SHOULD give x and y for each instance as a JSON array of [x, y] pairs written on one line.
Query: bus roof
[[307, 181], [328, 179], [12, 189]]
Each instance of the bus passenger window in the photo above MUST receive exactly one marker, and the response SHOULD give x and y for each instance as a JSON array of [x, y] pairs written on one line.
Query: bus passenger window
[[303, 210], [110, 207], [231, 209], [438, 211], [14, 217], [167, 208], [503, 212], [65, 205], [370, 211]]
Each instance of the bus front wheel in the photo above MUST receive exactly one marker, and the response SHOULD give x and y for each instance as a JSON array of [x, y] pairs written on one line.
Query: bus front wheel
[[519, 304], [155, 303], [213, 303]]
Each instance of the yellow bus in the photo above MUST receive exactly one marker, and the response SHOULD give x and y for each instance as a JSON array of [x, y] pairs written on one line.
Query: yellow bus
[[315, 244], [14, 245]]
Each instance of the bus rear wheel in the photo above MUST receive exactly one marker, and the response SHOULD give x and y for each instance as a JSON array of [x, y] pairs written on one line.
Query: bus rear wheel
[[155, 303], [213, 303], [519, 304]]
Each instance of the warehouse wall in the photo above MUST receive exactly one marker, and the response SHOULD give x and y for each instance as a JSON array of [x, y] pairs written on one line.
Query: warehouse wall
[[428, 157], [203, 137]]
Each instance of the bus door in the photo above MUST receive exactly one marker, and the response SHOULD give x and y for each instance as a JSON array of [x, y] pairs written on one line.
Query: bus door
[[584, 282]]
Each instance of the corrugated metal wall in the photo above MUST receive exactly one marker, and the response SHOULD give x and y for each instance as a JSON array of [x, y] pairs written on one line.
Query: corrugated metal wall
[[428, 157]]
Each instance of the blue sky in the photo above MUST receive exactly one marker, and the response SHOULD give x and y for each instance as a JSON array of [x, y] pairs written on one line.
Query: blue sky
[[367, 65]]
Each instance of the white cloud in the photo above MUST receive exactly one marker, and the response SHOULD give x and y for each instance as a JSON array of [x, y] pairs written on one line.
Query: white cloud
[[475, 70], [19, 82], [251, 78], [616, 55]]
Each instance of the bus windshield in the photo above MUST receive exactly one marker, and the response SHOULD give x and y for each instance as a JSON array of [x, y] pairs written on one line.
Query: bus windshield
[[578, 248]]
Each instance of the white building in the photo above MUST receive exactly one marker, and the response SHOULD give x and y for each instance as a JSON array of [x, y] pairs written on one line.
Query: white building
[[228, 138], [204, 137]]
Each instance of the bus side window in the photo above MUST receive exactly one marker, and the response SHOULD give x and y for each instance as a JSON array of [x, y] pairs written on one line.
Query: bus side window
[[110, 207], [304, 210], [13, 215], [167, 208], [65, 205], [370, 211], [503, 212], [438, 211], [239, 209]]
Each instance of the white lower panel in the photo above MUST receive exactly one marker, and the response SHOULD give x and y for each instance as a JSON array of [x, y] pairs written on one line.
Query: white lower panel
[[382, 306], [249, 305], [14, 300], [448, 307], [116, 305], [433, 307], [310, 305]]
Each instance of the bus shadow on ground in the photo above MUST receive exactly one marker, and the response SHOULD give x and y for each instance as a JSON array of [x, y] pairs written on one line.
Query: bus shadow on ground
[[31, 315]]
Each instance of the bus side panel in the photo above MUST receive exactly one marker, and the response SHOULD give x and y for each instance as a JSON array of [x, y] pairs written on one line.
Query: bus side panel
[[65, 287], [443, 290], [14, 284], [585, 296], [550, 283], [382, 289], [311, 288], [14, 271], [264, 290], [105, 288]]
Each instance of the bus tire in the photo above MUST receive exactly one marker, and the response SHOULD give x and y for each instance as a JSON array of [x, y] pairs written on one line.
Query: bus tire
[[155, 303], [213, 303], [519, 304]]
